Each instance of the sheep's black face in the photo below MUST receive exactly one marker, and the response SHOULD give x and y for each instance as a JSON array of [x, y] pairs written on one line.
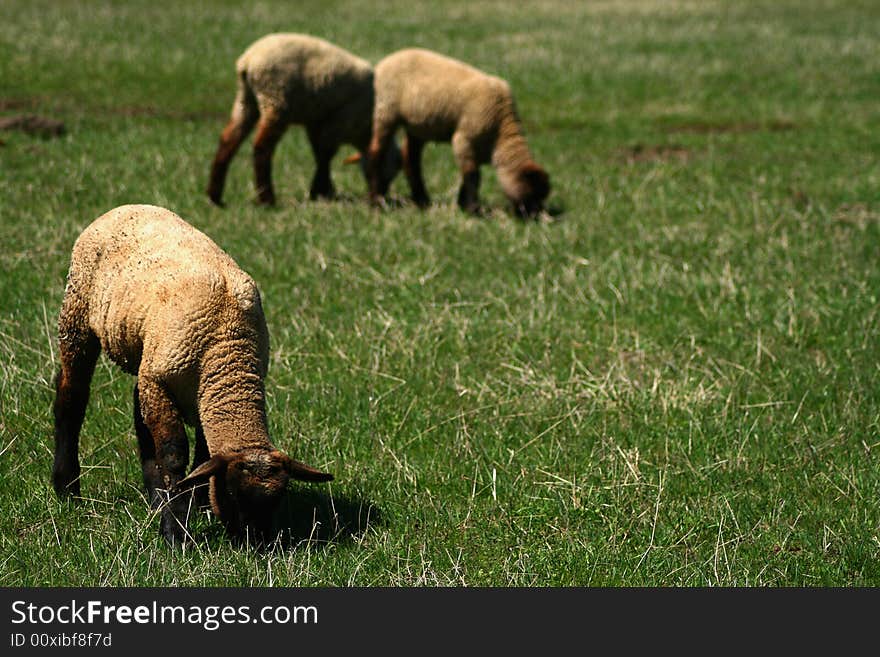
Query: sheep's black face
[[533, 188], [389, 167], [247, 486], [255, 484]]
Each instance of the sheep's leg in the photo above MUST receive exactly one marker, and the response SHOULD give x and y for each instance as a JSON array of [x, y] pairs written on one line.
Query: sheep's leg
[[270, 129], [412, 163], [153, 483], [469, 193], [147, 445], [163, 422], [200, 456], [241, 122], [376, 153], [79, 353], [201, 453], [323, 148]]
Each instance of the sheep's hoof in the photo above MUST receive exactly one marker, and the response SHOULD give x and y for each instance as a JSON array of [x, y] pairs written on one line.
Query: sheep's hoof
[[65, 487], [322, 193], [171, 531], [379, 203], [215, 193], [265, 195], [70, 492]]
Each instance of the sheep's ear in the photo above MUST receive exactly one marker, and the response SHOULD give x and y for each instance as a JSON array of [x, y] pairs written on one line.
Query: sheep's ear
[[305, 472], [352, 159], [216, 465]]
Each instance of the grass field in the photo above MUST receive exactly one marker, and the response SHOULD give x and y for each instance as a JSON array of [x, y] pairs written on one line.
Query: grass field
[[675, 383]]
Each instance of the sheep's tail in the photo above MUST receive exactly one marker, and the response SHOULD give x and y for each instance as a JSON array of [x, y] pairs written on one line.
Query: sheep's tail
[[242, 119], [244, 108]]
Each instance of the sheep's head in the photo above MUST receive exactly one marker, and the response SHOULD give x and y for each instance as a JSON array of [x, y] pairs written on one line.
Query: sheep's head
[[530, 187], [389, 166], [247, 485]]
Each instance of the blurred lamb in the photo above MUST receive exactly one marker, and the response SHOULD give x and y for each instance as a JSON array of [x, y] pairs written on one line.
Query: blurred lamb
[[436, 98], [169, 306], [296, 78]]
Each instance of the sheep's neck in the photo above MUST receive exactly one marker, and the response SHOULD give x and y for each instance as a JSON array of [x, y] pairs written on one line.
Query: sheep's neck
[[511, 150], [232, 404], [511, 153]]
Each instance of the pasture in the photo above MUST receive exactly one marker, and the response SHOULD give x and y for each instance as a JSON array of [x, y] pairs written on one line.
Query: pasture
[[674, 383]]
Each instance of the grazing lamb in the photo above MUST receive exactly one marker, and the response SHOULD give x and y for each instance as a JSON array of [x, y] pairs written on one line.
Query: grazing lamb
[[301, 79], [169, 306], [436, 98]]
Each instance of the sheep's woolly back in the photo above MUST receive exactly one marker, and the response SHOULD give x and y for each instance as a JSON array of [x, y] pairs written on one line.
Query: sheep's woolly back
[[436, 96], [307, 79], [167, 303]]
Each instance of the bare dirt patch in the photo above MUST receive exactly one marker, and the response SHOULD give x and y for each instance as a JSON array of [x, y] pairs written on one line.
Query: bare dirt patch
[[29, 106], [146, 111], [18, 104], [706, 128], [39, 126], [656, 153]]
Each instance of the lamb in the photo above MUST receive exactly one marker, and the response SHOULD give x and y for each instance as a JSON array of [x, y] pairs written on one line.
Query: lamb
[[436, 98], [300, 79], [169, 306]]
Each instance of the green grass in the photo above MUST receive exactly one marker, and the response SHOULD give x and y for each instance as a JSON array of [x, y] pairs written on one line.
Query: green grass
[[675, 384]]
